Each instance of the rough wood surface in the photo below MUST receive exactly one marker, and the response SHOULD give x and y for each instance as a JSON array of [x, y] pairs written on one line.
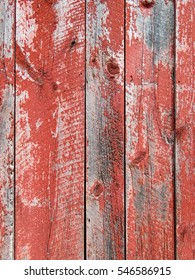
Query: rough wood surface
[[7, 9], [105, 129], [149, 127], [50, 129], [131, 145], [185, 129]]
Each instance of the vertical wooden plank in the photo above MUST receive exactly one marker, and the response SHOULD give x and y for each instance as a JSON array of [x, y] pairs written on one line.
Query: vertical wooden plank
[[7, 11], [185, 129], [149, 129], [105, 129], [50, 129]]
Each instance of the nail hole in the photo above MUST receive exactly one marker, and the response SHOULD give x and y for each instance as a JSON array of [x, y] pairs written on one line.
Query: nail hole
[[54, 86], [73, 43]]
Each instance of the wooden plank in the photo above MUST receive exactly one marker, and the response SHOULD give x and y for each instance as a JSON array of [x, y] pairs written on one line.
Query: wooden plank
[[149, 129], [7, 9], [105, 129], [185, 129], [50, 129]]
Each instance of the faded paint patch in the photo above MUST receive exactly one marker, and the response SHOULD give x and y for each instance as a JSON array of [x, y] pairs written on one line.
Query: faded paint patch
[[6, 29], [38, 123], [66, 26], [97, 21], [155, 26], [26, 25], [149, 130], [64, 23], [105, 111], [6, 173]]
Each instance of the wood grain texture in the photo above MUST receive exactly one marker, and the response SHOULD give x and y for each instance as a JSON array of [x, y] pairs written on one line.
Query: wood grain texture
[[136, 147], [7, 9], [50, 129], [105, 129], [149, 129], [185, 129]]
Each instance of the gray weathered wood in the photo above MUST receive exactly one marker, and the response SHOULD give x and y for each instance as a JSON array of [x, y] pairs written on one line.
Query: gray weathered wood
[[185, 129], [150, 129], [6, 129], [105, 129]]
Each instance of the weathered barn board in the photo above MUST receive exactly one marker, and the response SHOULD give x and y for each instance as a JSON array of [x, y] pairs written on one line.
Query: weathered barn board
[[185, 129], [149, 129], [50, 79], [7, 11], [97, 127], [105, 129]]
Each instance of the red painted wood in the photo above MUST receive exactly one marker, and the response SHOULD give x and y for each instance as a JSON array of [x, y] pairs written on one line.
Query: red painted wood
[[105, 129], [6, 129], [50, 129], [185, 129], [149, 129]]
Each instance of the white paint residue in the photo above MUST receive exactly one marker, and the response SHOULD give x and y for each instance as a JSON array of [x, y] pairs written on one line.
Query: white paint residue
[[98, 26], [155, 29], [24, 74], [63, 11], [26, 25], [23, 115], [120, 61], [38, 123], [6, 148], [23, 96], [80, 38], [35, 202], [6, 29], [58, 114], [132, 32]]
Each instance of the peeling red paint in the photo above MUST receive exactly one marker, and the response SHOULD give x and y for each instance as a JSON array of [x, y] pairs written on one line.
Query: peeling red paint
[[141, 149], [6, 130], [185, 130], [105, 130], [149, 120], [50, 102]]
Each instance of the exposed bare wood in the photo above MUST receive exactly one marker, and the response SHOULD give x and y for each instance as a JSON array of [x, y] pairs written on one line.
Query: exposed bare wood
[[149, 126], [185, 129], [50, 129], [105, 129], [7, 9], [135, 148]]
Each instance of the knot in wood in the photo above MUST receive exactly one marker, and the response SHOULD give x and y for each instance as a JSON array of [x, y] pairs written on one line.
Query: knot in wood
[[73, 43], [95, 62], [147, 3], [97, 189], [112, 68], [54, 86]]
